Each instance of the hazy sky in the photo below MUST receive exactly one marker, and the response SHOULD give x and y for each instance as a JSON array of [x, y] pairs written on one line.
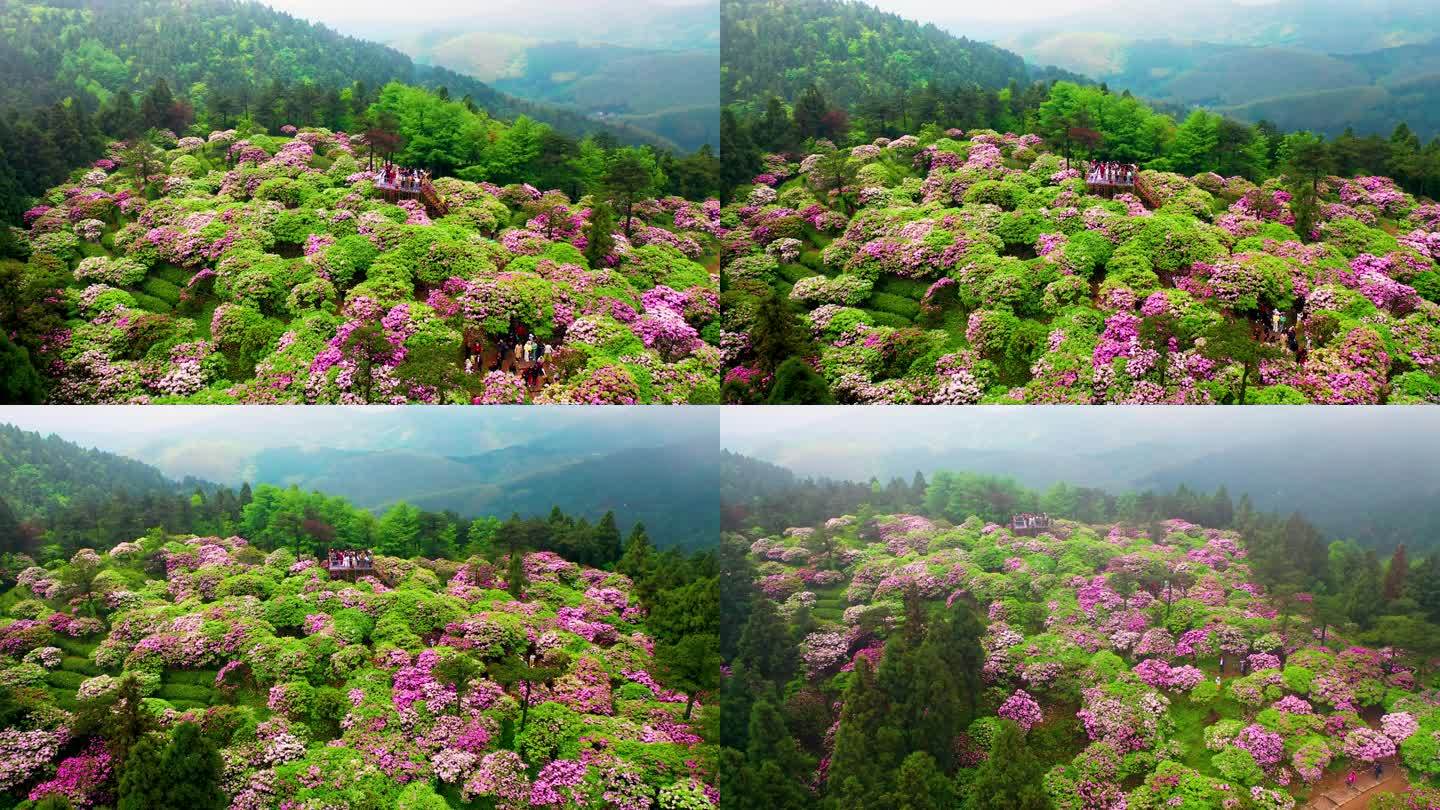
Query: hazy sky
[[1089, 427], [1102, 445], [168, 435]]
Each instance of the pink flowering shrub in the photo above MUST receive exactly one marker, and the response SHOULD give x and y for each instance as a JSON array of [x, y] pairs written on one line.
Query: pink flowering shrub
[[1368, 745], [1021, 708]]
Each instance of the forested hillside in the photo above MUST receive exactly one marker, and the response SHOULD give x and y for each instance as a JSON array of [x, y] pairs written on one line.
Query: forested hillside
[[671, 93], [1143, 650], [948, 659], [952, 265], [244, 55], [87, 72], [425, 668], [40, 473], [1291, 87], [1215, 491], [356, 295], [177, 671], [671, 489], [852, 52], [56, 497]]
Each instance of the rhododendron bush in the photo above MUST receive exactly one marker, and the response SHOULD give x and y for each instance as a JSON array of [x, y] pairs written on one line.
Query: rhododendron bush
[[250, 278], [982, 243], [1104, 648], [330, 692]]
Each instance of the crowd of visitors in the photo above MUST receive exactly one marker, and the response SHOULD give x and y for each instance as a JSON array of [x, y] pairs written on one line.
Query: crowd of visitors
[[346, 559], [1110, 173], [402, 179], [516, 352], [1031, 520]]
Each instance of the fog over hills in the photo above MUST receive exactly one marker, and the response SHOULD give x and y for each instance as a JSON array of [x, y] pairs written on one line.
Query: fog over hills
[[1322, 65], [1356, 472], [650, 63], [655, 465]]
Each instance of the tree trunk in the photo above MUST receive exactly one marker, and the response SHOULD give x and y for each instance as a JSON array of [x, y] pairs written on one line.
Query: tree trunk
[[689, 705], [525, 706]]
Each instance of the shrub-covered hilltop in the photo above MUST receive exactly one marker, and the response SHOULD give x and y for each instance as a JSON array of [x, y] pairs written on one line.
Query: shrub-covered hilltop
[[251, 268], [963, 267], [899, 661], [203, 672]]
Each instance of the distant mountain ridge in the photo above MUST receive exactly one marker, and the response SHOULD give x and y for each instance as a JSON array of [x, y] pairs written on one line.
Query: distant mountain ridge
[[850, 50], [1376, 486], [54, 49], [671, 488], [39, 472], [1290, 85], [671, 93]]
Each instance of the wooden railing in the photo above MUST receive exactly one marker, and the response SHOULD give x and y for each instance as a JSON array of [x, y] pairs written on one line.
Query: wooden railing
[[435, 205], [433, 201], [1146, 194]]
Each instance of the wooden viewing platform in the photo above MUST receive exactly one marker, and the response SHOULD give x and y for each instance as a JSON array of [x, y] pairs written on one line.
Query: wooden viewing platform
[[1110, 188], [348, 569], [425, 192], [1030, 525]]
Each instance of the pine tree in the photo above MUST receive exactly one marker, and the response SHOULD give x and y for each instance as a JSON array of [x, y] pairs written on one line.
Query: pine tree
[[457, 671], [690, 666], [1424, 586], [143, 780], [629, 179], [1364, 594], [143, 159], [957, 637], [639, 555], [1395, 574], [599, 234], [737, 595], [156, 106], [810, 111], [771, 741], [775, 131], [859, 771], [607, 540], [836, 174], [515, 580], [921, 785], [119, 716], [1010, 778], [192, 769], [796, 383], [765, 644], [20, 383], [1231, 341], [445, 542], [118, 118], [740, 158], [527, 670], [776, 334], [934, 708], [738, 692], [1307, 160]]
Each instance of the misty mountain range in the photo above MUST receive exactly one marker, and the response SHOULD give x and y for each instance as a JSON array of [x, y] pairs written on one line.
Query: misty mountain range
[[1300, 64], [657, 468], [652, 65], [1371, 479]]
